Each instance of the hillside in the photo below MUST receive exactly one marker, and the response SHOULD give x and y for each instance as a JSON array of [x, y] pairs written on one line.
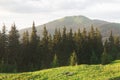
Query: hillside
[[81, 72], [76, 22]]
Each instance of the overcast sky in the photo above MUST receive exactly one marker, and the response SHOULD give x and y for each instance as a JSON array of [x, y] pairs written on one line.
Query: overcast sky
[[23, 12]]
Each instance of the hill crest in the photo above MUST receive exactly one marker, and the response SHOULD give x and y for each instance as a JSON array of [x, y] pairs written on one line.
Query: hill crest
[[76, 22]]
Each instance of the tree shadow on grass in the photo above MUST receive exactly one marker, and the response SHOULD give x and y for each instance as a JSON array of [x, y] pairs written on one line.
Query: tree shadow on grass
[[115, 78]]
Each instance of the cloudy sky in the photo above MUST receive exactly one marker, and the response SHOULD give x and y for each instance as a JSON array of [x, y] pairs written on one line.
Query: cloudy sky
[[23, 12]]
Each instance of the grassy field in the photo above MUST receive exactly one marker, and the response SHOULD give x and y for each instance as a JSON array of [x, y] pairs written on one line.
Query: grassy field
[[81, 72]]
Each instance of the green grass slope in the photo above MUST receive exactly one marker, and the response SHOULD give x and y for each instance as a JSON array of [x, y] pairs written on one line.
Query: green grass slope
[[81, 72]]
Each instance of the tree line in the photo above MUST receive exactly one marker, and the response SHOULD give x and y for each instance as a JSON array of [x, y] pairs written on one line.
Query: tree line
[[60, 49]]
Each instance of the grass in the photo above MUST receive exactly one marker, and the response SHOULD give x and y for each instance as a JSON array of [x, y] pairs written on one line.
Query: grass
[[81, 72]]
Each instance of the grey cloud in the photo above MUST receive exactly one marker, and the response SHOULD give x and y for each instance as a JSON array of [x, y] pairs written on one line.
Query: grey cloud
[[23, 6]]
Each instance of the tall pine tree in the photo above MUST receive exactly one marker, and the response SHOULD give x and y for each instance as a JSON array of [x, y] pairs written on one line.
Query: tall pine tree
[[34, 40]]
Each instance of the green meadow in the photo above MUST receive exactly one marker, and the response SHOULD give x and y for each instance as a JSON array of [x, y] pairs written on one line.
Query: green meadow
[[80, 72]]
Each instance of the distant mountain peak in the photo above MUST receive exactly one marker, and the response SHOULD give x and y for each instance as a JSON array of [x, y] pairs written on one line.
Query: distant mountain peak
[[73, 20], [77, 17], [76, 22]]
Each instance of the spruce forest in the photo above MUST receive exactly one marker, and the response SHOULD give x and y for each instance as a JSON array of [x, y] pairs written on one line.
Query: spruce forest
[[65, 47]]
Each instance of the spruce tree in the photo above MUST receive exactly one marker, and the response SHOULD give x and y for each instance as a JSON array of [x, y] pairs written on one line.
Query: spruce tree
[[4, 44], [73, 59], [70, 45], [50, 48], [85, 52], [55, 62], [34, 40], [25, 60], [63, 53], [78, 45], [99, 45], [106, 58], [70, 41], [111, 46], [1, 54], [92, 43], [94, 58], [117, 47], [13, 47], [45, 49]]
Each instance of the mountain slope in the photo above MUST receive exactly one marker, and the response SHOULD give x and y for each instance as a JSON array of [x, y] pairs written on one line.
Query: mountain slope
[[76, 22], [81, 72]]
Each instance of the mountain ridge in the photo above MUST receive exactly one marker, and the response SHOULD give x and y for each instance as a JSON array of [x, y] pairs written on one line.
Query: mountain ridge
[[76, 22]]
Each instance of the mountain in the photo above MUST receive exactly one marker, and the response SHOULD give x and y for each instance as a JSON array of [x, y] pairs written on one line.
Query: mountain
[[76, 22], [80, 72]]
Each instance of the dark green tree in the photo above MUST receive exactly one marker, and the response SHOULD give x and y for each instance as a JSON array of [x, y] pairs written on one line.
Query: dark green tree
[[1, 54], [56, 41], [78, 45], [99, 45], [117, 47], [106, 58], [111, 46], [70, 44], [85, 52], [4, 44], [45, 49], [34, 40], [13, 47], [25, 46], [94, 58], [63, 52], [70, 41]]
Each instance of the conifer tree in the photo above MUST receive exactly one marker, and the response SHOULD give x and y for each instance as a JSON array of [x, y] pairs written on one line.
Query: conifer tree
[[25, 60], [50, 48], [70, 45], [55, 62], [25, 39], [70, 41], [78, 44], [45, 49], [117, 47], [4, 44], [94, 58], [1, 54], [106, 58], [73, 59], [63, 53], [34, 40], [84, 33], [92, 43], [50, 42], [56, 37], [111, 46], [56, 40], [57, 43], [13, 46], [99, 45], [85, 49]]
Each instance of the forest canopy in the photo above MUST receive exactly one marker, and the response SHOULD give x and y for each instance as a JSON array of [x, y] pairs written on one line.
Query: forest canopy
[[63, 48]]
